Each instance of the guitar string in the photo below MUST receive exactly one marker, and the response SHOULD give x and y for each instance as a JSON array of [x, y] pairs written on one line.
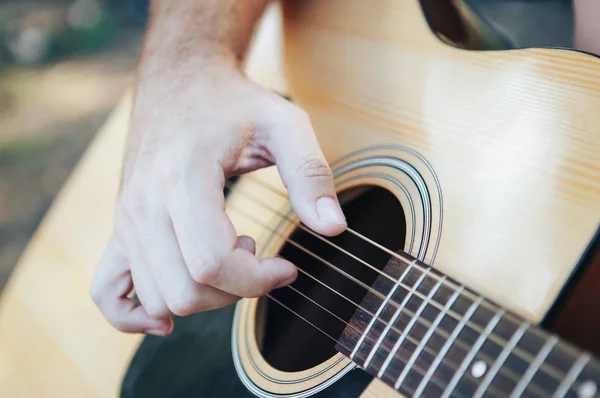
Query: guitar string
[[449, 284], [420, 370], [415, 368], [527, 357], [443, 333], [551, 372]]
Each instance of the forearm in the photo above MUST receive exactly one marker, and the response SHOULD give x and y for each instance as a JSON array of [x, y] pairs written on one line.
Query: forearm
[[190, 33]]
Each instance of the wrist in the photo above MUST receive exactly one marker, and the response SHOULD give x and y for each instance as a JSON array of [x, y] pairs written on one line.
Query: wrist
[[169, 60]]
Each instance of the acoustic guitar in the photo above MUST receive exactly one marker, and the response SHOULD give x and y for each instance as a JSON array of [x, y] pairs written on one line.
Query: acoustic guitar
[[470, 268]]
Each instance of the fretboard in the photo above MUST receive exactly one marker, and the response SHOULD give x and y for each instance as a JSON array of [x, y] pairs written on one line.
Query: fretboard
[[427, 335]]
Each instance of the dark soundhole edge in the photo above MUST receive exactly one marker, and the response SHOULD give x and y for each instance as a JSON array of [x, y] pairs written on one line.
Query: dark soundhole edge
[[287, 342]]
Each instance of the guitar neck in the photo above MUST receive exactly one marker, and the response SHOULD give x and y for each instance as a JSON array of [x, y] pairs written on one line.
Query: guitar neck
[[425, 334]]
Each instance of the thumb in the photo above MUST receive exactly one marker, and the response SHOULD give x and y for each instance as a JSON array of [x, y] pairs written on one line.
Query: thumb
[[307, 177]]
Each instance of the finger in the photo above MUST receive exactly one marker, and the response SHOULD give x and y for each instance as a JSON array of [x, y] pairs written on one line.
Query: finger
[[109, 290], [182, 295], [307, 176], [247, 243], [208, 240], [145, 286], [251, 277]]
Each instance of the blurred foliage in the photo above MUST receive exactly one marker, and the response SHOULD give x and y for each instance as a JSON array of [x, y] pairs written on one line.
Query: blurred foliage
[[23, 155], [40, 31]]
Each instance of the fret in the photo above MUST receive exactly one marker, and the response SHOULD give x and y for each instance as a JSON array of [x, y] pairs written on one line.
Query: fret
[[385, 332], [426, 338], [440, 342], [463, 366], [534, 366], [409, 326], [399, 363], [380, 309], [501, 360], [519, 361], [448, 344], [554, 369], [571, 376], [515, 367]]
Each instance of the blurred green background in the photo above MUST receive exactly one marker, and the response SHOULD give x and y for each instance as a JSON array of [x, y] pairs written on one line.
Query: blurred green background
[[63, 65]]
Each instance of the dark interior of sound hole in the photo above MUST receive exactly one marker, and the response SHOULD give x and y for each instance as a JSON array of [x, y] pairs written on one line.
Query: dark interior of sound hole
[[290, 343]]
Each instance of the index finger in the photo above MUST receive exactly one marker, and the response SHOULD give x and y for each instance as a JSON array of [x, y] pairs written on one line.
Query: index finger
[[207, 239]]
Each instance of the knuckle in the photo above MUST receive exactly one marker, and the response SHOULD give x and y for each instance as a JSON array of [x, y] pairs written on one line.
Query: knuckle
[[118, 324], [134, 203], [314, 167], [156, 308], [157, 312], [167, 172], [182, 307], [205, 272], [113, 318]]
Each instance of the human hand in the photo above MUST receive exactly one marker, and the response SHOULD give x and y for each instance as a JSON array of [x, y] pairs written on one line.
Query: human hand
[[172, 239]]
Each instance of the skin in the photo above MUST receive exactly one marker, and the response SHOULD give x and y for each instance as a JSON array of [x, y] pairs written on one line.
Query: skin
[[196, 122]]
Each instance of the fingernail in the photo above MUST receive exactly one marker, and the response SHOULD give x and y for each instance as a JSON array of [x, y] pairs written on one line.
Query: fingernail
[[160, 331], [329, 211]]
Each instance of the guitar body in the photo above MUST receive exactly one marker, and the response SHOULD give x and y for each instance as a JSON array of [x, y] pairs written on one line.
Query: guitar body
[[482, 164]]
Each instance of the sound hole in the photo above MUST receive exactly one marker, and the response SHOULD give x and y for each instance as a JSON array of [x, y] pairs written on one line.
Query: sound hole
[[290, 344]]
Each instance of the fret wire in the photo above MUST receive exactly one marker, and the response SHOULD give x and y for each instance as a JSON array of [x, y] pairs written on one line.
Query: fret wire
[[572, 375], [418, 369], [443, 333], [450, 284], [500, 360], [486, 303], [408, 328], [442, 353], [373, 318], [549, 369], [439, 318], [533, 367], [409, 338], [380, 310], [472, 353], [424, 341], [509, 316], [394, 318]]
